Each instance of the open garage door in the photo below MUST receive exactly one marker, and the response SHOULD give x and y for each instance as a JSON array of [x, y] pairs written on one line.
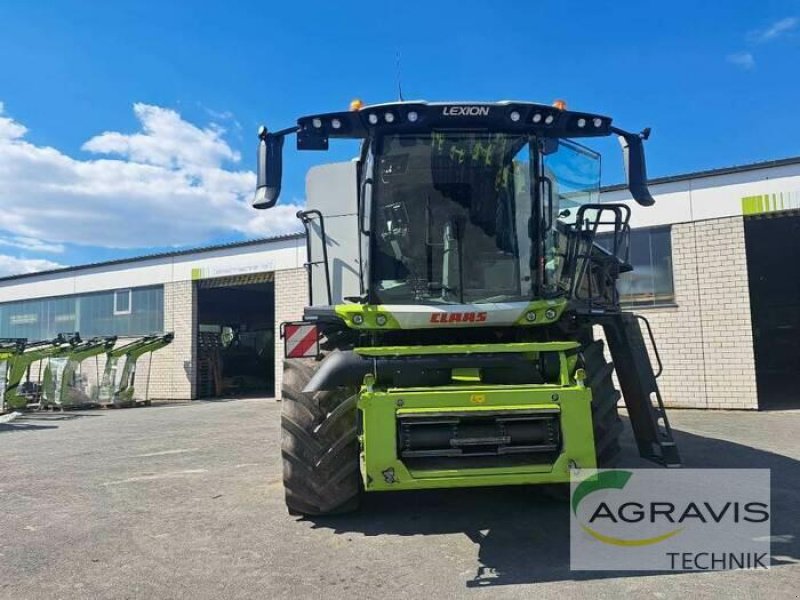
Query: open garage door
[[773, 256], [236, 336]]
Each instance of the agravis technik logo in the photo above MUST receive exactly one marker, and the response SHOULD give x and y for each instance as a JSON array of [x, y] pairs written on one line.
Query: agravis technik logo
[[686, 519], [615, 480]]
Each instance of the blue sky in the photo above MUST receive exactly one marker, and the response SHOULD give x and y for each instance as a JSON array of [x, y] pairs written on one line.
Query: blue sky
[[128, 127]]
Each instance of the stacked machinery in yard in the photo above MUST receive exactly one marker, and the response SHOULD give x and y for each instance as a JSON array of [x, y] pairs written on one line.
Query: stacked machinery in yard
[[119, 374], [458, 270], [9, 348], [59, 386], [18, 395]]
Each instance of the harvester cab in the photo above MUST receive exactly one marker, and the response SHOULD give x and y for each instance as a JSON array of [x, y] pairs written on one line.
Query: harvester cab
[[456, 270], [119, 374], [60, 389]]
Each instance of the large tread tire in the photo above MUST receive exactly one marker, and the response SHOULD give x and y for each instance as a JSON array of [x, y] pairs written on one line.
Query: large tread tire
[[606, 424], [319, 446], [605, 419]]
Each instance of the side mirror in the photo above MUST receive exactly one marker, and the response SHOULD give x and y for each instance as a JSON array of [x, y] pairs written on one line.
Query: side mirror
[[269, 170], [635, 169]]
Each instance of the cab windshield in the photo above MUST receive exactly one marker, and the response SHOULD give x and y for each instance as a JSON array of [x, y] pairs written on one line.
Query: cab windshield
[[571, 179], [450, 218]]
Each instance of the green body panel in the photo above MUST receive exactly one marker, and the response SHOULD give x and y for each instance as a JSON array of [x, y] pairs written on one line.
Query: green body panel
[[119, 389], [381, 406], [379, 437], [394, 318], [525, 347], [7, 352], [566, 351], [58, 389], [19, 365]]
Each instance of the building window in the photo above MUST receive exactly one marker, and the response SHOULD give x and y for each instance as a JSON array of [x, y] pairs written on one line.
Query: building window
[[130, 312], [650, 282], [122, 302]]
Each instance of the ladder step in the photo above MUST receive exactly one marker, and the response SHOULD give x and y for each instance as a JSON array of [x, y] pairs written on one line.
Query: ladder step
[[640, 391]]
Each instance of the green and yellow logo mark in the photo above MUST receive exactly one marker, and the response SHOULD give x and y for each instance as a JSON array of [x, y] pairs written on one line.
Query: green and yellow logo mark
[[611, 480]]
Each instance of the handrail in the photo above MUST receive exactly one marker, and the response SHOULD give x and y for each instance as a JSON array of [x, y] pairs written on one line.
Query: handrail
[[653, 343], [305, 217]]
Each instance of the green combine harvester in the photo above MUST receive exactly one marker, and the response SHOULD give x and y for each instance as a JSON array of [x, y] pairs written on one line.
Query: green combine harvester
[[459, 270], [59, 389], [17, 396], [117, 384]]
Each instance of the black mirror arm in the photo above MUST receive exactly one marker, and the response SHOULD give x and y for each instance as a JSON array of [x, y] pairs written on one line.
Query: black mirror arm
[[635, 166], [283, 132]]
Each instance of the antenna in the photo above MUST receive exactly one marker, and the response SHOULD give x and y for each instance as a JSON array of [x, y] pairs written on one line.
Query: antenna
[[398, 56]]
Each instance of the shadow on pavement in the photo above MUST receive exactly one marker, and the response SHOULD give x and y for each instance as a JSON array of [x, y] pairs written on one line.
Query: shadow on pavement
[[12, 427], [221, 399], [39, 421], [523, 536]]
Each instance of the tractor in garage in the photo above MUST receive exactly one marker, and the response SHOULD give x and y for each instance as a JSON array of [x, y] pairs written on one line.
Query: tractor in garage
[[460, 271]]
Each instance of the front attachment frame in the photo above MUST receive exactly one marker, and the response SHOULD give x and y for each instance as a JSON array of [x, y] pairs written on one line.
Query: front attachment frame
[[380, 408]]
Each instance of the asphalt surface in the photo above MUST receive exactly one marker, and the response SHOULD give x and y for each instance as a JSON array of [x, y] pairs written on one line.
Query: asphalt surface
[[185, 501]]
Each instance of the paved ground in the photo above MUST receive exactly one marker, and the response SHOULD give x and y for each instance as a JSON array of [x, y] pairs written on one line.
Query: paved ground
[[185, 501]]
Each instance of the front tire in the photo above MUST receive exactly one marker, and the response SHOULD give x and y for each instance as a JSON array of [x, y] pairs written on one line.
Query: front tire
[[606, 423], [319, 446]]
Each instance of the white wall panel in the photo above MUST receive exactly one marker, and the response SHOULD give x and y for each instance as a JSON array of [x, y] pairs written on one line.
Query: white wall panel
[[704, 198], [270, 256]]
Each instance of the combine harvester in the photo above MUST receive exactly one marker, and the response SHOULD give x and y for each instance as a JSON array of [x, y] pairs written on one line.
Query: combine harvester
[[60, 389], [117, 384], [457, 271]]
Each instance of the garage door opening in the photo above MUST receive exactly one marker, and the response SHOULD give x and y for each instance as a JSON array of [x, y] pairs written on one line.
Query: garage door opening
[[236, 336], [773, 256]]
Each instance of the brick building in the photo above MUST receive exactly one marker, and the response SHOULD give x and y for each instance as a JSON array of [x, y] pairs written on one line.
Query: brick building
[[715, 274], [247, 288]]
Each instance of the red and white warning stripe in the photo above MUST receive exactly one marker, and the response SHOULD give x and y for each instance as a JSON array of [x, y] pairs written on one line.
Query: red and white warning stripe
[[300, 340]]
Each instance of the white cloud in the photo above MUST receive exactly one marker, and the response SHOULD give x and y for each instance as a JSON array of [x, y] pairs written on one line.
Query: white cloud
[[223, 116], [166, 141], [8, 128], [11, 265], [744, 60], [32, 244], [171, 183], [775, 30]]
